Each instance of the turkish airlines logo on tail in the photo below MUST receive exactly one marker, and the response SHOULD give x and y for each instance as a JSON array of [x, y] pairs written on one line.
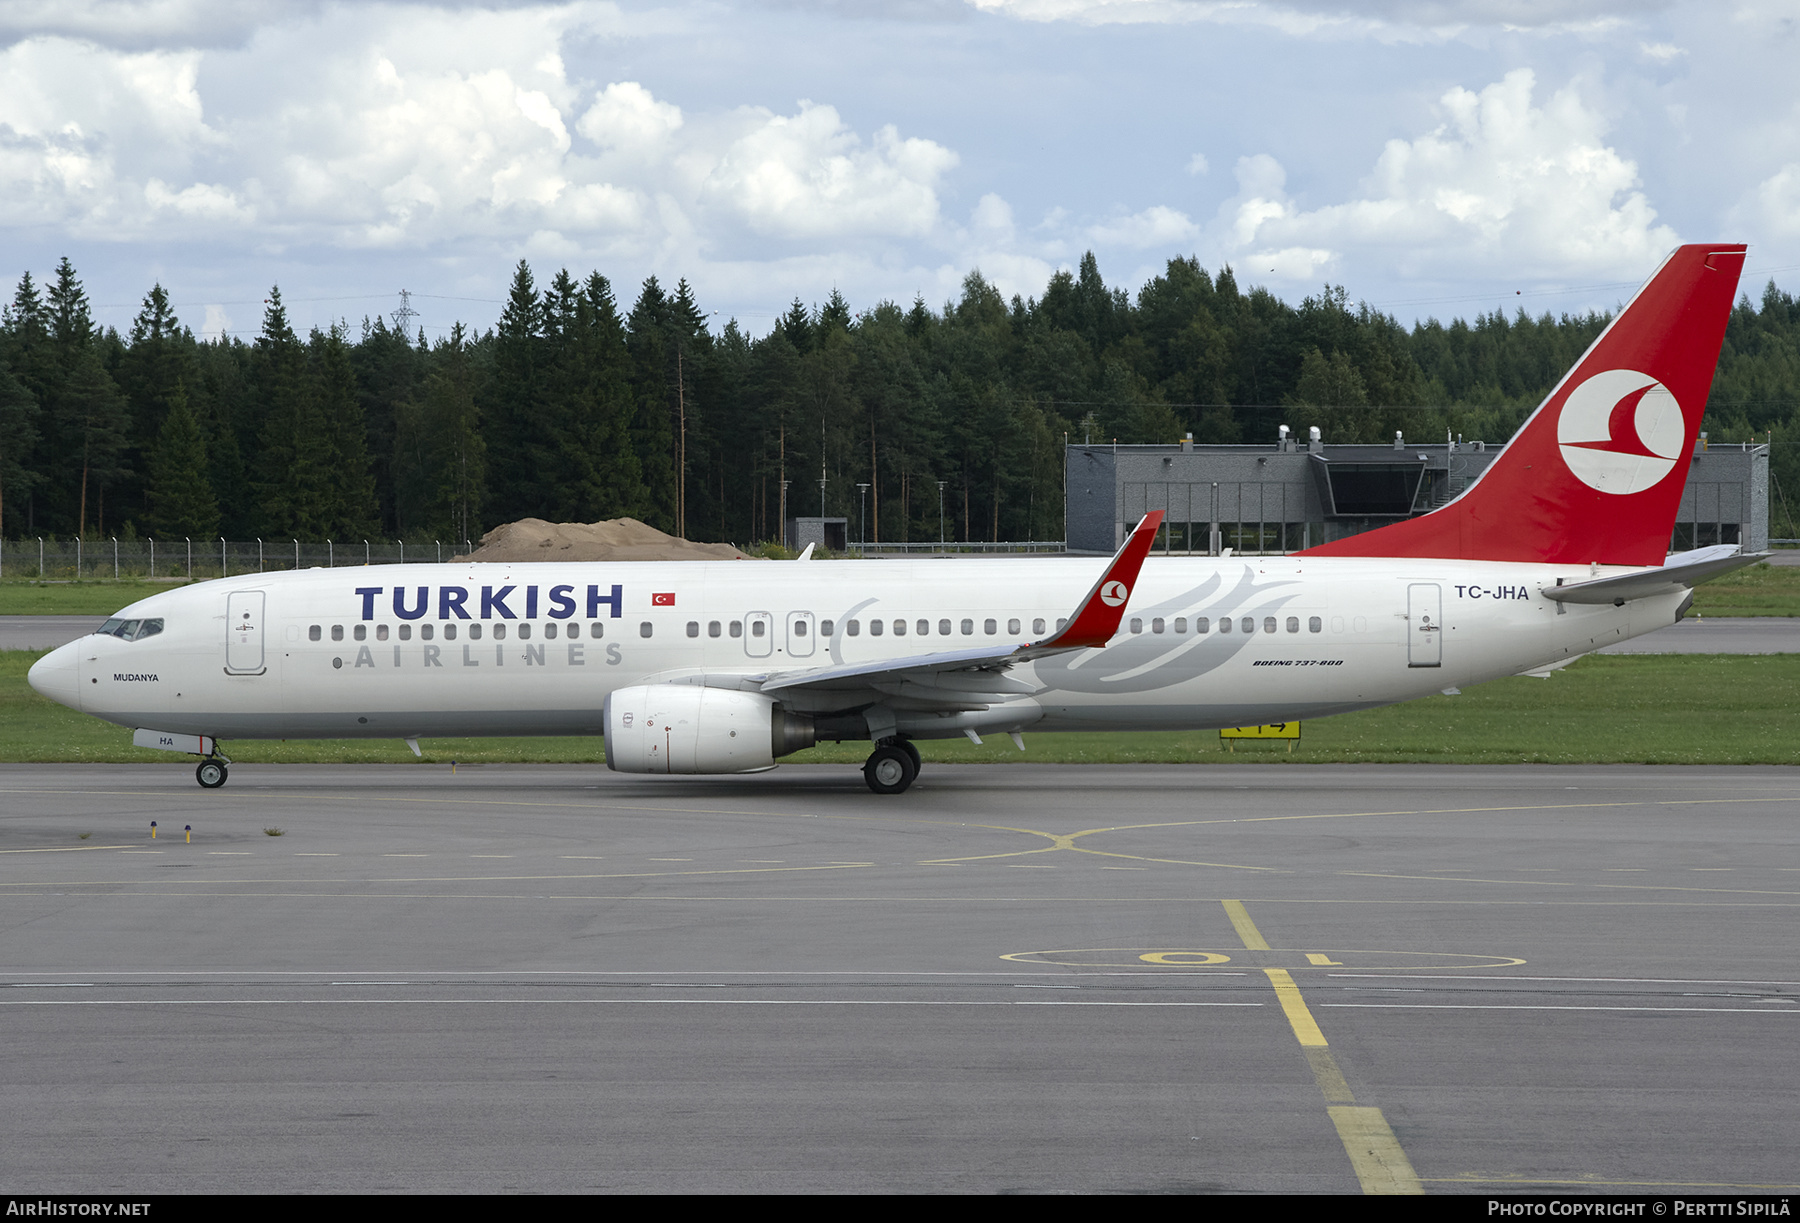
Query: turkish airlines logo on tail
[[1114, 593], [1621, 431]]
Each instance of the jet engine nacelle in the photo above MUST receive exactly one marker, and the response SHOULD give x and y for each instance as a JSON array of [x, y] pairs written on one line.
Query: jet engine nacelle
[[684, 728]]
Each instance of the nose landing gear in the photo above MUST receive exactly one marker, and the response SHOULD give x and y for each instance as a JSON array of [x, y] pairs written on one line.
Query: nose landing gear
[[892, 767]]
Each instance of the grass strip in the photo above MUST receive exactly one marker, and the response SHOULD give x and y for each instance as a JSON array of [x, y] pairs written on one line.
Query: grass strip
[[1621, 709]]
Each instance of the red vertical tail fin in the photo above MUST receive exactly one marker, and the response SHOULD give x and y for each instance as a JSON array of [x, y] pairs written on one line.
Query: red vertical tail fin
[[1596, 473]]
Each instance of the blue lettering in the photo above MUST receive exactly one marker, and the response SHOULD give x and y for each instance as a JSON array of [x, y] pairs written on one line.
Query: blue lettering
[[531, 602], [400, 603], [450, 602], [561, 605], [491, 603], [368, 594], [615, 600]]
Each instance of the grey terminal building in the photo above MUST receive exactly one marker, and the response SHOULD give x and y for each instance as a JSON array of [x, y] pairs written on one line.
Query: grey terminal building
[[1295, 493]]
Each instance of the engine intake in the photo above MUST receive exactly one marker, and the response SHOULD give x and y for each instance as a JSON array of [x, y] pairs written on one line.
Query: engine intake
[[684, 728]]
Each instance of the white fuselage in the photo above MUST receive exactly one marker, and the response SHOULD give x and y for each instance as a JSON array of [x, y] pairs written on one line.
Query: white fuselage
[[494, 649]]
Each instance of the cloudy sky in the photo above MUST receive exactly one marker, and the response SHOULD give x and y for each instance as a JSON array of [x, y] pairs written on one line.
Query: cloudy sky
[[1437, 157]]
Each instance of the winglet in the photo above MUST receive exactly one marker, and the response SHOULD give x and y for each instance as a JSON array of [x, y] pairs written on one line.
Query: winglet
[[1097, 616]]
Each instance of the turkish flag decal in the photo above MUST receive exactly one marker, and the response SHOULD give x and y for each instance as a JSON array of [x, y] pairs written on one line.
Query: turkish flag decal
[[663, 600]]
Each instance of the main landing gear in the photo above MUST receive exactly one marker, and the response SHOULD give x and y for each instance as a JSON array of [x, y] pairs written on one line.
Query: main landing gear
[[892, 766], [212, 772]]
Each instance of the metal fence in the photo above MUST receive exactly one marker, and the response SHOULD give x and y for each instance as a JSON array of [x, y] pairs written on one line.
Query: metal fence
[[1029, 545], [183, 559]]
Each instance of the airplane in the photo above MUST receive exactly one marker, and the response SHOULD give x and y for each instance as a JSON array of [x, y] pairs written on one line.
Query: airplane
[[1557, 549]]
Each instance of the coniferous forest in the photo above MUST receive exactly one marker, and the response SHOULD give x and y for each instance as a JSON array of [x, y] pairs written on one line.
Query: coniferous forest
[[578, 406]]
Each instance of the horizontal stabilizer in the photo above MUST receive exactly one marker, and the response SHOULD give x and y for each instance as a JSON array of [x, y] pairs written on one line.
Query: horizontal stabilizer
[[1683, 571]]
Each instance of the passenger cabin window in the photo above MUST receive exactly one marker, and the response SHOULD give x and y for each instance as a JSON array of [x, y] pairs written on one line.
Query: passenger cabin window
[[474, 632], [737, 628], [1202, 624], [1314, 625], [360, 632], [337, 632], [524, 632], [550, 631], [799, 628], [1248, 624], [1224, 624], [1012, 628], [693, 628], [758, 628], [381, 632], [853, 627], [644, 629], [1293, 624], [968, 628], [1268, 624], [1037, 626], [450, 632], [825, 628], [406, 632], [425, 632], [1181, 624], [1137, 625], [875, 627], [924, 627], [499, 632], [596, 630], [1156, 625], [314, 633], [989, 627], [572, 629], [900, 628], [712, 628]]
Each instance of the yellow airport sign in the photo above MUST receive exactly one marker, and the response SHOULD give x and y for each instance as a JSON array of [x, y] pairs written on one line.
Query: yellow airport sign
[[1274, 730]]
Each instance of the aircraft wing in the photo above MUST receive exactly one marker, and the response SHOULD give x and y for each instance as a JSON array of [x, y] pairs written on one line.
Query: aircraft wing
[[958, 678], [1684, 570]]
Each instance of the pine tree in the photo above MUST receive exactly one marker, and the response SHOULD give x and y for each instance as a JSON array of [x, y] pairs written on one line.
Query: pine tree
[[294, 446], [182, 504], [18, 433], [93, 419], [348, 508]]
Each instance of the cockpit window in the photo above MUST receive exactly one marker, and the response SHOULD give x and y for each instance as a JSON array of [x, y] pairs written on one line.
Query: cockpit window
[[131, 630]]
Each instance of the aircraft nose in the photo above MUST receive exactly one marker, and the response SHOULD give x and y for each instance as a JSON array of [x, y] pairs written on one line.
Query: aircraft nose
[[57, 675]]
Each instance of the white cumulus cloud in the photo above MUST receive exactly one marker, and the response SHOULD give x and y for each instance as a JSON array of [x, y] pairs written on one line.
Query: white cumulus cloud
[[1501, 186]]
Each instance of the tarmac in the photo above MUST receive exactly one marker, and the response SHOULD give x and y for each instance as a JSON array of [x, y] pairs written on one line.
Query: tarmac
[[1236, 978]]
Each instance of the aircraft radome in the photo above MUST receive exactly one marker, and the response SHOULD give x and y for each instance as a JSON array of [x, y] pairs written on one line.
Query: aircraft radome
[[1557, 549]]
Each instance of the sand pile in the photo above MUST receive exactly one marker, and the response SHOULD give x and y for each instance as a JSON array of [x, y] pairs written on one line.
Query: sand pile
[[618, 539]]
